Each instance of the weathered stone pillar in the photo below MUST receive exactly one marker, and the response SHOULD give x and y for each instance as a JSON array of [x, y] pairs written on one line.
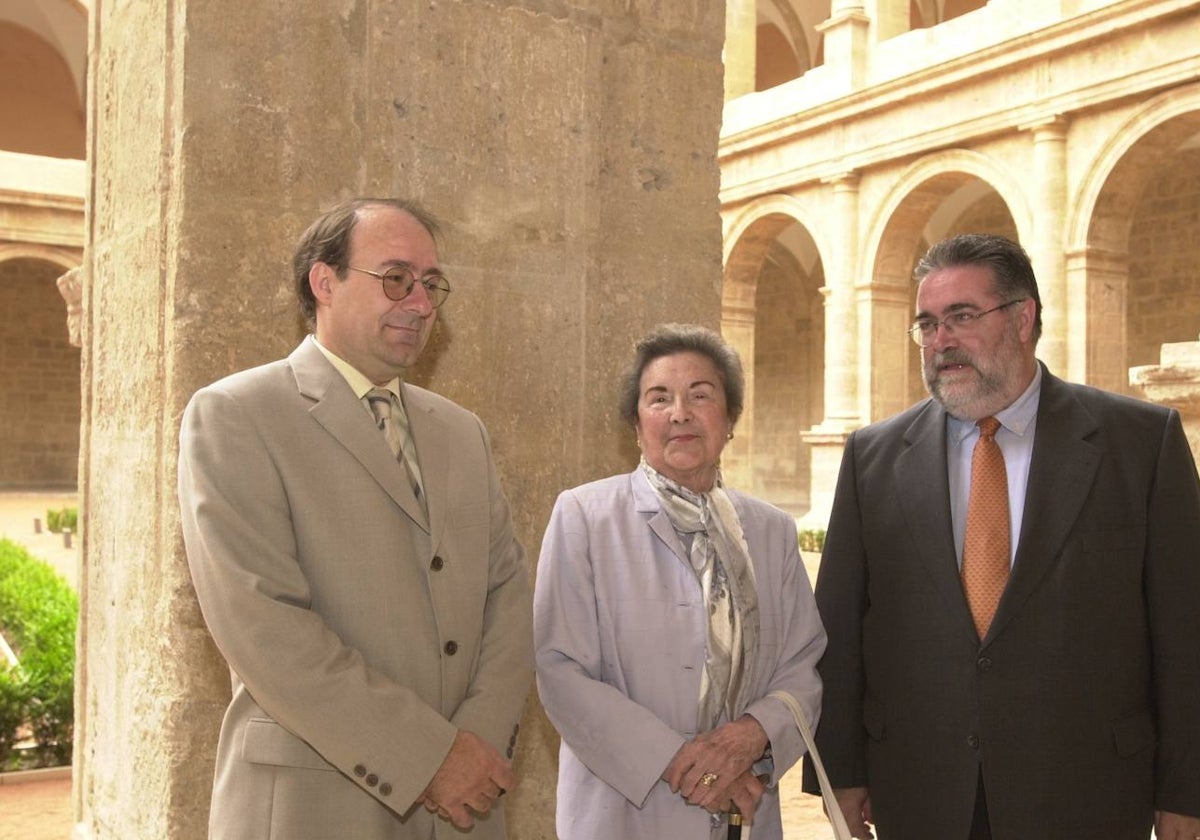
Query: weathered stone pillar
[[1095, 318], [1046, 250], [572, 156], [741, 47], [888, 17], [1175, 382], [827, 439], [738, 328], [847, 32]]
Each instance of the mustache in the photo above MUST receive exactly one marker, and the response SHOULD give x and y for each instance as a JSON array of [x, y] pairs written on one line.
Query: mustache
[[953, 357]]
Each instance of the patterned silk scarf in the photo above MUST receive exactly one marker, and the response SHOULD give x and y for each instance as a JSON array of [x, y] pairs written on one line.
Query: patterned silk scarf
[[709, 526]]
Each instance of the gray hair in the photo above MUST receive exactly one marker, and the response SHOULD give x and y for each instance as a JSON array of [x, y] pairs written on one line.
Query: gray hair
[[669, 339], [1010, 265]]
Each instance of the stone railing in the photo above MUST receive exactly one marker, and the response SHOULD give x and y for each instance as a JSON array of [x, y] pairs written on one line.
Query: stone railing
[[1175, 382]]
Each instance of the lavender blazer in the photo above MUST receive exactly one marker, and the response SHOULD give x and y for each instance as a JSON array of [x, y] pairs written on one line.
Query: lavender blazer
[[620, 630]]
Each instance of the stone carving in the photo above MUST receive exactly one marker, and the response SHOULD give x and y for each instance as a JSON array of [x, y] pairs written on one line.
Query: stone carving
[[1175, 382], [70, 286]]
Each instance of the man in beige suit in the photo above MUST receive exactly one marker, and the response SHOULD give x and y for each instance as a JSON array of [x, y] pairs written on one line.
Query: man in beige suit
[[354, 559]]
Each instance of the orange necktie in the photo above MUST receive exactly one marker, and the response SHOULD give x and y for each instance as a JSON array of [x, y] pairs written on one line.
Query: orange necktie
[[986, 548]]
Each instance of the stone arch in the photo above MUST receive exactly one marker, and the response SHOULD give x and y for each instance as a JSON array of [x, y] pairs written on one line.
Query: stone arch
[[64, 258], [939, 196], [773, 313], [783, 51], [1129, 252], [45, 46], [40, 377]]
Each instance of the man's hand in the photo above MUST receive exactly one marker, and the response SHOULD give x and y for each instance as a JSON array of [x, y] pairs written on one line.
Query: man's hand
[[472, 777], [721, 757], [856, 809], [1169, 826]]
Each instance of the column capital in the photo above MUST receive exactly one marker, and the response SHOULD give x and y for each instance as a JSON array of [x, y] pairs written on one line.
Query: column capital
[[70, 286], [852, 16], [1051, 126], [848, 180]]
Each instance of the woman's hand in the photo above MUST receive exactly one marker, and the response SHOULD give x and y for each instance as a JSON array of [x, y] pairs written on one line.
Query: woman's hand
[[706, 769], [745, 792]]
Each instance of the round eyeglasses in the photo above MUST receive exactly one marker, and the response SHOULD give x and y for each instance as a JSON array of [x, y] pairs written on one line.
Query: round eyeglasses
[[398, 283], [924, 330]]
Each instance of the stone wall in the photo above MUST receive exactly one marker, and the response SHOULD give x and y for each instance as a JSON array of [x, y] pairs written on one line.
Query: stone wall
[[1164, 281], [788, 363], [570, 148], [39, 380]]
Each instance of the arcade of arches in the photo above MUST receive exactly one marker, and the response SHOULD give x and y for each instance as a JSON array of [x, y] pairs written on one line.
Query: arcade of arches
[[953, 126]]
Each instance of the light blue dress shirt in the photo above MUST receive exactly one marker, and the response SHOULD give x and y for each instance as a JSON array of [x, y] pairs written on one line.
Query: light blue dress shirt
[[1018, 423]]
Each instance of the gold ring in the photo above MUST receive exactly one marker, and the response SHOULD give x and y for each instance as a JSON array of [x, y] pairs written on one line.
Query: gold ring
[[708, 778]]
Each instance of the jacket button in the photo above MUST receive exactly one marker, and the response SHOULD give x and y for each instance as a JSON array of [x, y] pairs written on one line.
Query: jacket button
[[509, 751], [436, 564], [359, 770], [983, 663], [973, 741], [451, 647], [372, 780], [385, 789]]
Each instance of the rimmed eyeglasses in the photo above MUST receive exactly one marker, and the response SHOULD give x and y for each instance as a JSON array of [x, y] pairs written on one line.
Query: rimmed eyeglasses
[[924, 330], [398, 283]]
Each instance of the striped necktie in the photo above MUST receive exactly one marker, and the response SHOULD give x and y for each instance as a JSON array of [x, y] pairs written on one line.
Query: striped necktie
[[390, 419]]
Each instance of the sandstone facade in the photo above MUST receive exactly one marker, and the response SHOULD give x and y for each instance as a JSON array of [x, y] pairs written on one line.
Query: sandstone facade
[[1073, 127]]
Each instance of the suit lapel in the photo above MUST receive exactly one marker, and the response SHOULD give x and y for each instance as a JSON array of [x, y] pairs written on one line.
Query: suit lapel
[[921, 484], [433, 455], [343, 417], [645, 500], [1061, 473]]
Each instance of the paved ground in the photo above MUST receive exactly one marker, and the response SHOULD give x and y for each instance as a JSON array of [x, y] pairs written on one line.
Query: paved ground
[[41, 810], [36, 810], [17, 512]]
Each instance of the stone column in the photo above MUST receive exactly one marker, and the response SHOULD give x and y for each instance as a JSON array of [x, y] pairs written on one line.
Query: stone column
[[1045, 247], [889, 18], [885, 314], [847, 35], [738, 328], [741, 48], [572, 157], [828, 438], [1096, 324], [1175, 382]]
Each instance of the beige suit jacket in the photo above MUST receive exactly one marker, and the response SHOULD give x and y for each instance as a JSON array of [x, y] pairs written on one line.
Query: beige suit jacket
[[359, 638]]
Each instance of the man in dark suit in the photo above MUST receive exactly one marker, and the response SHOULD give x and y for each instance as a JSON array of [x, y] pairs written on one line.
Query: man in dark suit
[[1058, 694], [354, 559]]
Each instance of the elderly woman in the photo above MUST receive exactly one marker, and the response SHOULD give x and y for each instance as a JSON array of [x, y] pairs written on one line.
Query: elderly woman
[[667, 609]]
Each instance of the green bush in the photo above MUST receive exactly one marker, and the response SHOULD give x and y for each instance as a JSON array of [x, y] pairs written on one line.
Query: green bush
[[38, 613], [65, 519], [14, 700], [812, 539]]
